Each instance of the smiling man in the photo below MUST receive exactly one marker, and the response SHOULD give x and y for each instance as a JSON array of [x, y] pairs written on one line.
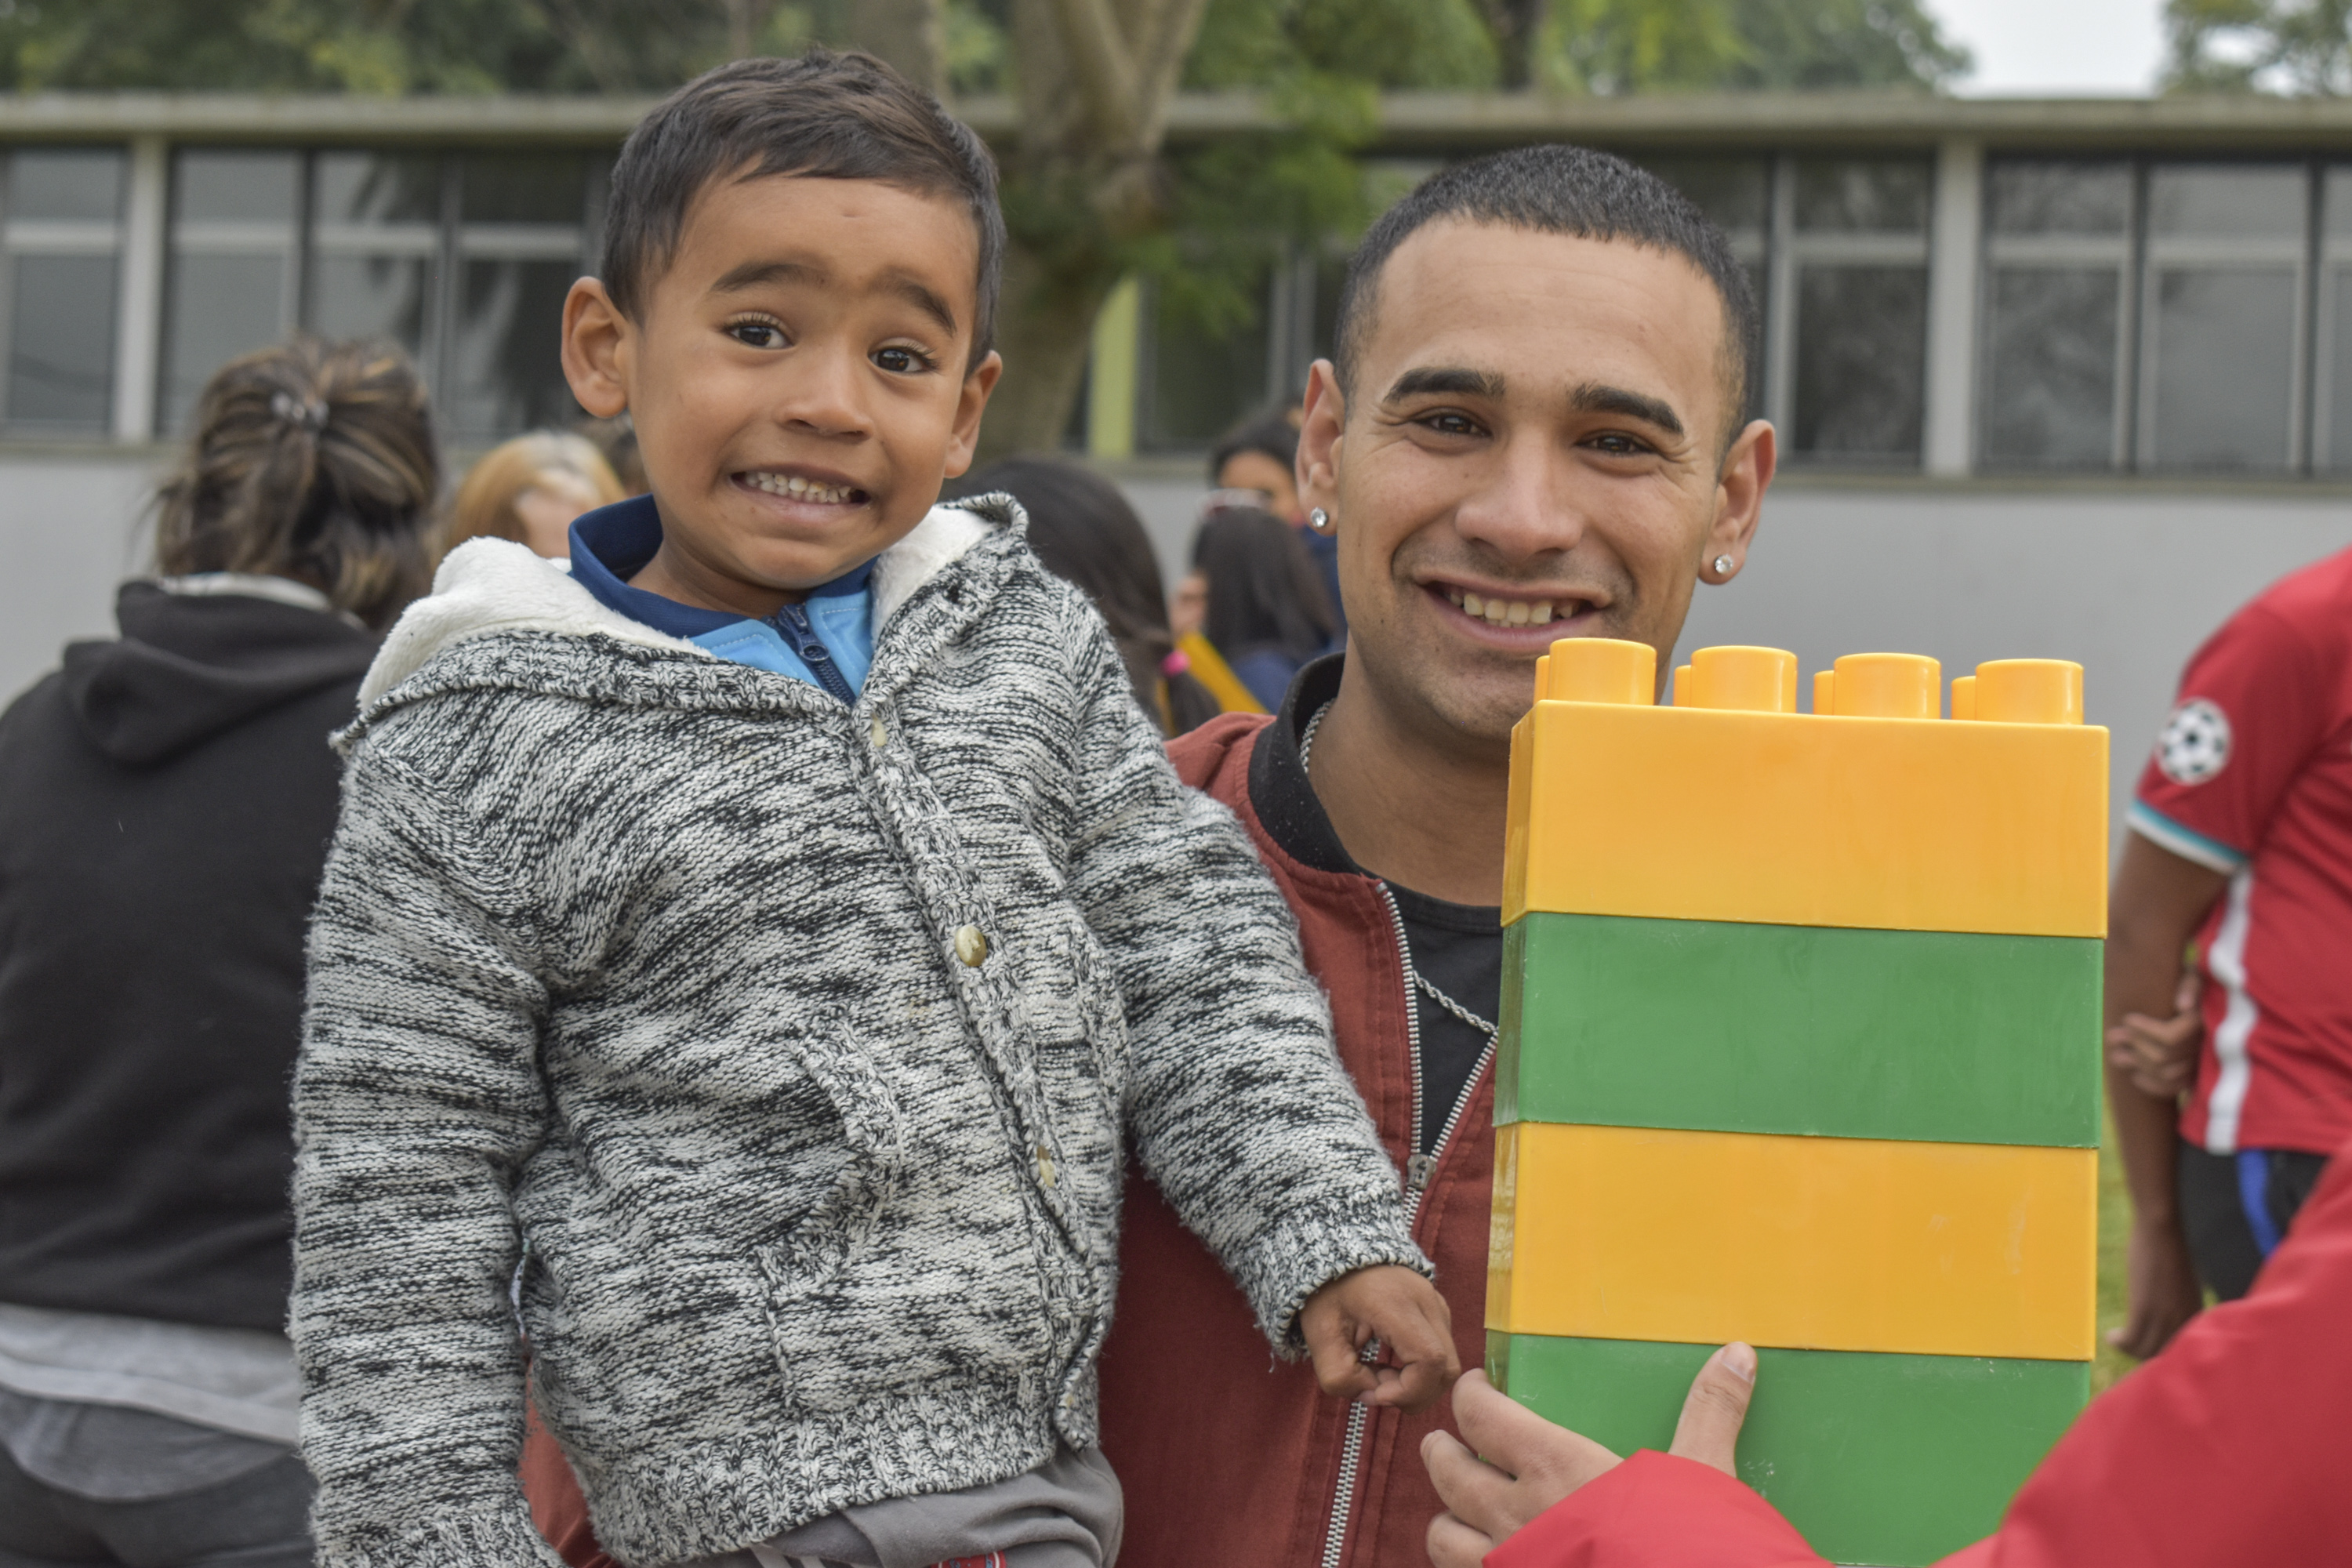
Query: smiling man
[[1533, 430]]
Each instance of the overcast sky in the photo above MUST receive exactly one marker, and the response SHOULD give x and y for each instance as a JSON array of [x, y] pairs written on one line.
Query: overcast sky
[[2057, 47]]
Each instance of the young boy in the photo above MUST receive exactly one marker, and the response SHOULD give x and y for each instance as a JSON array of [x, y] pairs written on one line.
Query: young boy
[[780, 924]]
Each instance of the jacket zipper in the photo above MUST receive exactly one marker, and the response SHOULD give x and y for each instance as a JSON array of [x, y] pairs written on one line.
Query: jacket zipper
[[793, 623], [1418, 1170]]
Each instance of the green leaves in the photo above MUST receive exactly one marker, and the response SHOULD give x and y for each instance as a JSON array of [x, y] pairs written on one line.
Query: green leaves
[[2298, 47]]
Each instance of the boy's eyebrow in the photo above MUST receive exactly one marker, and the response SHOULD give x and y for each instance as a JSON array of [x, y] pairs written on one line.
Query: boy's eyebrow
[[905, 285]]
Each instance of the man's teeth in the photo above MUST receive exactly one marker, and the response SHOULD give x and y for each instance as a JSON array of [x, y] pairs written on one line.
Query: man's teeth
[[799, 488], [1503, 612]]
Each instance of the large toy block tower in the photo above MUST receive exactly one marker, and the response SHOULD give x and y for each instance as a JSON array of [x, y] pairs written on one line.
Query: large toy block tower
[[1800, 1047]]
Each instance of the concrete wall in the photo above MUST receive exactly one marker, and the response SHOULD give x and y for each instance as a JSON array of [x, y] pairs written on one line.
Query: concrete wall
[[2126, 583], [70, 528]]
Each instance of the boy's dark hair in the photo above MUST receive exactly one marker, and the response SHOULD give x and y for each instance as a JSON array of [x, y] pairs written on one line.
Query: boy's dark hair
[[827, 116], [1557, 189], [1268, 433]]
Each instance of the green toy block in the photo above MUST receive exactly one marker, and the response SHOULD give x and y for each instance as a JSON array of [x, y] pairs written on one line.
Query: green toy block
[[1939, 1036], [1880, 1459]]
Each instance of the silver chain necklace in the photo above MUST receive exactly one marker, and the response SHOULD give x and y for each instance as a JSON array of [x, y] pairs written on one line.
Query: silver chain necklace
[[1421, 982]]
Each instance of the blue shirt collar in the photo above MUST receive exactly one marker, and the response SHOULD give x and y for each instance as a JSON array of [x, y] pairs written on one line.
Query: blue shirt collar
[[613, 542]]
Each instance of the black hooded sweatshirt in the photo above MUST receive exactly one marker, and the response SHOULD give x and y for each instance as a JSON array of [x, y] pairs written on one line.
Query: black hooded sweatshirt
[[165, 804]]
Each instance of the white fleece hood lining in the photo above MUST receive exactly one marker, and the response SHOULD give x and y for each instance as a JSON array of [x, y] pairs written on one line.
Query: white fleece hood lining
[[489, 585]]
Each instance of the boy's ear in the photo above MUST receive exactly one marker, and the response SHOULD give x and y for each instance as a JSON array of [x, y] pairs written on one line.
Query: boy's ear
[[971, 402], [597, 346]]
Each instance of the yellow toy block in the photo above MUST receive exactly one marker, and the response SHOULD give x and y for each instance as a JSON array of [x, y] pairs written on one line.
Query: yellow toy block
[[1853, 818], [1847, 1244]]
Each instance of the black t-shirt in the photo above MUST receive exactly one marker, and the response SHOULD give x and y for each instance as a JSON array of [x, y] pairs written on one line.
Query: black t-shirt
[[1458, 948]]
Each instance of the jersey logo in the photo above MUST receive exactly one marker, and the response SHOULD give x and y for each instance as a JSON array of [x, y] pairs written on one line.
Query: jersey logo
[[2195, 745]]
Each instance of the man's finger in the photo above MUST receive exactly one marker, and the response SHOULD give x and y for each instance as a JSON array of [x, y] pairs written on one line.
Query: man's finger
[[1472, 1490], [1454, 1544], [1709, 1429]]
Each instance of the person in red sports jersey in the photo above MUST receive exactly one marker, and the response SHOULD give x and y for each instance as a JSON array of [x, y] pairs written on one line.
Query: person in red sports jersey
[[2241, 837], [2228, 1449]]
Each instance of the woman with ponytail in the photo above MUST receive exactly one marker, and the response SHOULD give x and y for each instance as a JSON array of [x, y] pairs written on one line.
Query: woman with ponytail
[[166, 802]]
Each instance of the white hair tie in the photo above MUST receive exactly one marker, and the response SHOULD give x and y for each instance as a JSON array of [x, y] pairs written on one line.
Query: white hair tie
[[309, 414]]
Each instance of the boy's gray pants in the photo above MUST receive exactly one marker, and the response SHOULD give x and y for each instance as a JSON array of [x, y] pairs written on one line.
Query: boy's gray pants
[[1065, 1513]]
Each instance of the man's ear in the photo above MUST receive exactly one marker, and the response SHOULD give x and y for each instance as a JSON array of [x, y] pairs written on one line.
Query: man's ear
[[598, 345], [971, 401], [1739, 490], [1321, 422]]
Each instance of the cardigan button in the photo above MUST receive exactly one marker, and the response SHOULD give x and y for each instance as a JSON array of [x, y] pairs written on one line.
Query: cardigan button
[[1045, 1165], [972, 946], [880, 734]]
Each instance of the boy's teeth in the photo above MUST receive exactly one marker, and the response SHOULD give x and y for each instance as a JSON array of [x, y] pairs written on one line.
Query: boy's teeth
[[799, 488]]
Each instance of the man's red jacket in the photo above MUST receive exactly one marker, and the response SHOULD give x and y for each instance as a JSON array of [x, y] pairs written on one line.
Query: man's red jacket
[[1228, 1457], [2231, 1447]]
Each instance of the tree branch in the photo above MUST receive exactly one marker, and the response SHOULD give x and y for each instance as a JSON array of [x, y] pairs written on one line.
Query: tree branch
[[1105, 68]]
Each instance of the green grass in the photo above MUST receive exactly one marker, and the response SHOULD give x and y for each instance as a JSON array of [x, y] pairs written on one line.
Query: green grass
[[2114, 1223]]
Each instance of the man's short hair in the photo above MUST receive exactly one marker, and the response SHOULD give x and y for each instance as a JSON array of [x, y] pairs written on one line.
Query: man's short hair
[[827, 116], [1557, 189], [1270, 434]]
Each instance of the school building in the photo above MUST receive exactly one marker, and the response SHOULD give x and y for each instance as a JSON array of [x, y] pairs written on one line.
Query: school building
[[2060, 378]]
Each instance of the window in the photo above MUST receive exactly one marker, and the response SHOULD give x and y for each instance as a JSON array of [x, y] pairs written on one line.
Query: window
[[62, 209], [233, 282], [520, 246], [2221, 329], [1736, 193], [375, 244], [2332, 421], [2058, 261], [1858, 257]]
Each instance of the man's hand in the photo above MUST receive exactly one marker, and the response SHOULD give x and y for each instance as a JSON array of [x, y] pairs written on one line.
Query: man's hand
[[1529, 1464], [2163, 1288], [1405, 1313], [2161, 1054]]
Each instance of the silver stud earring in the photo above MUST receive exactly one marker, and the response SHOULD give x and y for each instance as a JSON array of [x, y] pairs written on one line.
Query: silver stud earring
[[1319, 520], [1723, 565]]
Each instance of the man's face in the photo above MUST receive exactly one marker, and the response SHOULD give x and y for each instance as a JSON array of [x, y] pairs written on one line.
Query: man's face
[[796, 374], [1534, 450]]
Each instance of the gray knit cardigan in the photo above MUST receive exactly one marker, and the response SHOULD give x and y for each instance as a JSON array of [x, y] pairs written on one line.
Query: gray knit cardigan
[[802, 1043]]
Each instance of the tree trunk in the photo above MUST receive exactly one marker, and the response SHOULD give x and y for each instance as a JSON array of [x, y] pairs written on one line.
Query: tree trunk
[[910, 33], [1044, 326]]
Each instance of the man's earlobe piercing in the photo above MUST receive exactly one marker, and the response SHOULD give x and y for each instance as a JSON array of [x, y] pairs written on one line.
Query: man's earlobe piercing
[[1319, 520], [1723, 565]]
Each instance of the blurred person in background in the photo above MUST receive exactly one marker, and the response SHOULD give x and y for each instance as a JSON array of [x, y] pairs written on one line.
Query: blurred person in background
[[530, 488], [165, 804], [1084, 532], [616, 442], [1261, 456], [1263, 611]]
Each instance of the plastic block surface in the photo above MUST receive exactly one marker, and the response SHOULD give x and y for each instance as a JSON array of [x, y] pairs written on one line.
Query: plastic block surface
[[1805, 819], [1856, 1244], [1876, 1458], [1956, 1036]]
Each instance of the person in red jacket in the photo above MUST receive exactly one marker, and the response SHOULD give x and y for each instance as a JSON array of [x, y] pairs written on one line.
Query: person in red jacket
[[1532, 430], [2226, 1450]]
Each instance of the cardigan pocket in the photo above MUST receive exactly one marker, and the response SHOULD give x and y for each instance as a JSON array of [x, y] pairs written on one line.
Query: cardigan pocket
[[799, 1269]]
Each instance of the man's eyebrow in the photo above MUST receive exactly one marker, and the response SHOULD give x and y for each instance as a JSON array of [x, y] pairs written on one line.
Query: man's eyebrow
[[1595, 398], [1438, 380], [905, 285]]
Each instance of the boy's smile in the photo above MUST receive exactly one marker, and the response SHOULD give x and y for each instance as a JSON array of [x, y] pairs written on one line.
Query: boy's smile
[[797, 378]]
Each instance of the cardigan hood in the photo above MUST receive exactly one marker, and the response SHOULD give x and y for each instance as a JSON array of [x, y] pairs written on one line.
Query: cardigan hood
[[487, 586]]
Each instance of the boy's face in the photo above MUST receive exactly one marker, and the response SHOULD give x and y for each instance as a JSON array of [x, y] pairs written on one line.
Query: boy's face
[[797, 379]]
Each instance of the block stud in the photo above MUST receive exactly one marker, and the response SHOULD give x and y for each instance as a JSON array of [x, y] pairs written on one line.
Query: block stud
[[1604, 669], [1753, 679], [1889, 685], [1824, 691], [2030, 691], [1964, 697], [1685, 696]]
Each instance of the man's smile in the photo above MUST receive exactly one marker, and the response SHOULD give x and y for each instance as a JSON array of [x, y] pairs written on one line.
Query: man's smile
[[1518, 618]]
